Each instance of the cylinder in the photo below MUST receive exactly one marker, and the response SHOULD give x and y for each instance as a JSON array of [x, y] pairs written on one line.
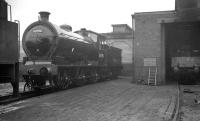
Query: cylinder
[[3, 10]]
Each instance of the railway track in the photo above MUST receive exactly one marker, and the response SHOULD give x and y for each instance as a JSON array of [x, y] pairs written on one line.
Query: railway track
[[24, 95], [9, 98], [177, 107], [186, 108], [189, 103], [6, 99]]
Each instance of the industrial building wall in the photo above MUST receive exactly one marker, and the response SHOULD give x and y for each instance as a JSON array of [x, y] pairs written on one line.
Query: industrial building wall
[[122, 37], [148, 47], [126, 46]]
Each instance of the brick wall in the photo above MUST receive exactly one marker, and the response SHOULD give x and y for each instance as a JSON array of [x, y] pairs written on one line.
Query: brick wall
[[147, 42]]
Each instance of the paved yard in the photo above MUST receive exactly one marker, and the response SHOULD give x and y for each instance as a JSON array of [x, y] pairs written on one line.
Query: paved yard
[[117, 100], [189, 108], [7, 89]]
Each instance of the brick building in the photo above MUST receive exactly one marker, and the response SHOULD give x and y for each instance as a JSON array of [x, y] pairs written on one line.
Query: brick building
[[122, 37], [157, 33]]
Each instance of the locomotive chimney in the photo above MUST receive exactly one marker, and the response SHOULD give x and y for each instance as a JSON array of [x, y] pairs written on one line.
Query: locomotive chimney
[[44, 16]]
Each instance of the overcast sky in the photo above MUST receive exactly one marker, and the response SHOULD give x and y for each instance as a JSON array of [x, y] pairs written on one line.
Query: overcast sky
[[96, 15]]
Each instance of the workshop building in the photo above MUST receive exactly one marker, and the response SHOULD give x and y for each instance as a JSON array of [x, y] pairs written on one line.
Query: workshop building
[[122, 37], [158, 34]]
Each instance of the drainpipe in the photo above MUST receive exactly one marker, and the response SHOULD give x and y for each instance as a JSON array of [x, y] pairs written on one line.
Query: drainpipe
[[133, 50], [10, 12], [18, 22]]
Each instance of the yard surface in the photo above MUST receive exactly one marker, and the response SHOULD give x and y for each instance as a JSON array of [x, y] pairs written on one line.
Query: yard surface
[[116, 100], [189, 103]]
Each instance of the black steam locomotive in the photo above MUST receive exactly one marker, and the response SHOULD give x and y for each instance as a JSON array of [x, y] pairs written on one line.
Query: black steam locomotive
[[58, 57]]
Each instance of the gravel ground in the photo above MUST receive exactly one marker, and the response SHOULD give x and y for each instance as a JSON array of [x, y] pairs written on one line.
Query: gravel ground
[[6, 88], [189, 109], [116, 100]]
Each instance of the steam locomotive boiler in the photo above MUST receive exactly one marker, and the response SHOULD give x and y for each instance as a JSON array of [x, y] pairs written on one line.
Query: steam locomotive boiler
[[60, 58]]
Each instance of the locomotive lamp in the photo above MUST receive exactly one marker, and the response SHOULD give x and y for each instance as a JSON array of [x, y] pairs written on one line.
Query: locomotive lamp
[[176, 69], [196, 68]]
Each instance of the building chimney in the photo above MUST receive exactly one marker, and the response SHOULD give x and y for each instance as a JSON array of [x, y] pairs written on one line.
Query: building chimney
[[3, 10], [187, 9], [44, 16]]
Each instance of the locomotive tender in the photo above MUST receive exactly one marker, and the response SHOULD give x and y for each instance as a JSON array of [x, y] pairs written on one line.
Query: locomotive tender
[[58, 57], [9, 50]]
